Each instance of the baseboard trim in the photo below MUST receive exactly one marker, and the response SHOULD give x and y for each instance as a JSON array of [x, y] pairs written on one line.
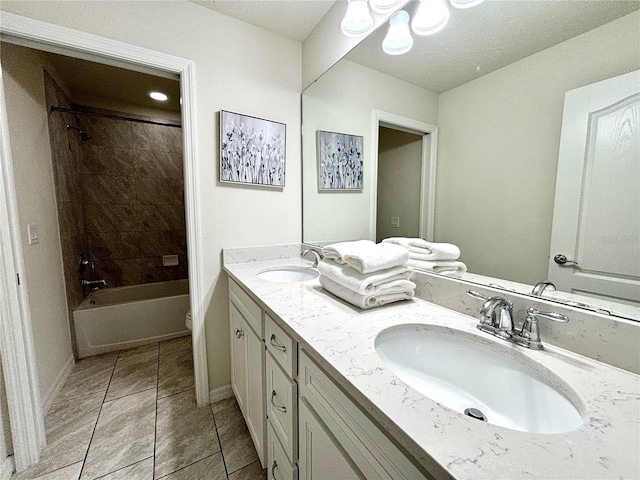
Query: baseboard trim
[[220, 393], [6, 468], [48, 398]]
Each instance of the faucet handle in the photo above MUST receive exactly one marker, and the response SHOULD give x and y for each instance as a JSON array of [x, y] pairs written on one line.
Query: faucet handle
[[478, 295], [529, 336]]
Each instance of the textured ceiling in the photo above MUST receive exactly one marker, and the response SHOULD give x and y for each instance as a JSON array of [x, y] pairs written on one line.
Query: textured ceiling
[[293, 18], [482, 39]]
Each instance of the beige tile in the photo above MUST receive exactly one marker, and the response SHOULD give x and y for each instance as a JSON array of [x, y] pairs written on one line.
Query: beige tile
[[89, 375], [235, 440], [124, 434], [253, 471], [211, 468], [134, 373], [184, 433], [69, 426], [176, 373], [138, 471], [175, 345], [136, 350], [72, 472]]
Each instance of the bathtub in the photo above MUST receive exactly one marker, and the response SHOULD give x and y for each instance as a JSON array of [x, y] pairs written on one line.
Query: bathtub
[[125, 317]]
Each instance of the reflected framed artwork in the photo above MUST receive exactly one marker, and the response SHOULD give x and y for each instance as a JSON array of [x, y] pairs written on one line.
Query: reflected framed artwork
[[339, 161], [252, 150]]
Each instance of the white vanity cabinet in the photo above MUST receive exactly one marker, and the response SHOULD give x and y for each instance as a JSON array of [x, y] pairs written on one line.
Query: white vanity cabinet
[[248, 363]]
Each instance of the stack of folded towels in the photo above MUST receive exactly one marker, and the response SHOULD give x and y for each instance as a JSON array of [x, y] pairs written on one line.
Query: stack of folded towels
[[366, 274], [432, 257]]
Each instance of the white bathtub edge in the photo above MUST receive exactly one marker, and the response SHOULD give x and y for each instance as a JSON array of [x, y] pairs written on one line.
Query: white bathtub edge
[[56, 386], [220, 393], [85, 351]]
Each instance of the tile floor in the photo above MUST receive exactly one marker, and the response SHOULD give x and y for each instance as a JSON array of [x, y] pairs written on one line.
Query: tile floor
[[131, 415]]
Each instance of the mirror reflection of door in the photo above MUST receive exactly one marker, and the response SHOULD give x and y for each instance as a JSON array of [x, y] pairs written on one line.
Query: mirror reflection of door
[[399, 183], [596, 220]]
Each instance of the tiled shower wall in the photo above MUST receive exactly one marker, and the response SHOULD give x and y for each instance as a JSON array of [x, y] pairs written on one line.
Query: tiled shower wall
[[120, 197]]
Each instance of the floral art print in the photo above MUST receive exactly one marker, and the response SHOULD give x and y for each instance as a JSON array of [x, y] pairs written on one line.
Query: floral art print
[[339, 161], [252, 150]]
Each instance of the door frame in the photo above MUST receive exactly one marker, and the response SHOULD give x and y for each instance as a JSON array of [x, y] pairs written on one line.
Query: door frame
[[428, 168], [16, 341]]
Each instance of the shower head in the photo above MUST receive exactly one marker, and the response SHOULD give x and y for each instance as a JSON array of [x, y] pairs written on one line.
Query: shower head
[[84, 136]]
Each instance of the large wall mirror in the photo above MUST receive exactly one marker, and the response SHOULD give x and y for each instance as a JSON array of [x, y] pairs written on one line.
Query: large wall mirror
[[464, 142]]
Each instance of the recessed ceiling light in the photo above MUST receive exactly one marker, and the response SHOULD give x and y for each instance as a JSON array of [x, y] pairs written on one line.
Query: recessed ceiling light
[[161, 97]]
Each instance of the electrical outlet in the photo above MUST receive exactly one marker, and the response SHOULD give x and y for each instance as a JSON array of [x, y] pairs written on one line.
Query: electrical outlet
[[395, 222], [32, 232]]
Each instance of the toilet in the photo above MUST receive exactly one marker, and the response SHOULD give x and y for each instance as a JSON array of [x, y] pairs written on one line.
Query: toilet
[[187, 320]]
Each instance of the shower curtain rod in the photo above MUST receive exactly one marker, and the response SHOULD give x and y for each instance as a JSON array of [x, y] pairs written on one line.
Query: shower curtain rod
[[117, 117]]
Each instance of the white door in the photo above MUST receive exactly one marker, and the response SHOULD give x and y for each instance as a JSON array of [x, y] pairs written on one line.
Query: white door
[[596, 217]]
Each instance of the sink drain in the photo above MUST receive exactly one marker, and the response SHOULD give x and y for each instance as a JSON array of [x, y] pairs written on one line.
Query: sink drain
[[475, 413]]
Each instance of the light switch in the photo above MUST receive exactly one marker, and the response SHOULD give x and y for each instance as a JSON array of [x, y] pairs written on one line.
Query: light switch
[[395, 222], [32, 231]]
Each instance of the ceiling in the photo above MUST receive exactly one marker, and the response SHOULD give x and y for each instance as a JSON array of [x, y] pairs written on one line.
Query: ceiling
[[487, 37], [292, 18]]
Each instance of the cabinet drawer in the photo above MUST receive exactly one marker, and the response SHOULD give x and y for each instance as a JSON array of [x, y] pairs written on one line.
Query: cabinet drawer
[[248, 307], [282, 346], [282, 406], [375, 455], [278, 465]]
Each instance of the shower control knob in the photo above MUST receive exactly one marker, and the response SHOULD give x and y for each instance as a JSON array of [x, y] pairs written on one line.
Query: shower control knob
[[239, 333]]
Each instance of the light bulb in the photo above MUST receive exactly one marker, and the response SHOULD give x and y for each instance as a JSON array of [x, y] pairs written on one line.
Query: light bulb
[[431, 17], [465, 3], [357, 21], [159, 96], [398, 39], [384, 6]]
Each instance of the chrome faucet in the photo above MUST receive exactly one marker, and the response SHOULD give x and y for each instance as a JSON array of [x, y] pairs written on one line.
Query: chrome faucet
[[497, 315], [540, 287], [529, 335], [317, 255], [94, 284]]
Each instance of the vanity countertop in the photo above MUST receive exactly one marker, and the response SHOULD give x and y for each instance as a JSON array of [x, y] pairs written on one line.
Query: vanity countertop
[[341, 338]]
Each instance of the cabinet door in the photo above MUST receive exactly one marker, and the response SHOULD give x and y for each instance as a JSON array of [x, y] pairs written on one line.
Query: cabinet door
[[320, 455], [255, 413], [239, 380]]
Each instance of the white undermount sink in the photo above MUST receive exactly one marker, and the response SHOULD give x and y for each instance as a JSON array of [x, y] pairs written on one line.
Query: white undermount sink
[[288, 274], [463, 371]]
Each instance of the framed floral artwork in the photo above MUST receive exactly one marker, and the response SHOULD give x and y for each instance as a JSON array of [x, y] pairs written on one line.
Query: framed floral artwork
[[340, 161], [252, 150]]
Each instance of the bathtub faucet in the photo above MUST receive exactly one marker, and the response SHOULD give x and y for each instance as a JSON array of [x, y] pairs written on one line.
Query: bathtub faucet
[[94, 284]]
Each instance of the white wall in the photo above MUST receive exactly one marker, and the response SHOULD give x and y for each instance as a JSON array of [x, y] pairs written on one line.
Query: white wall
[[498, 150], [343, 100], [238, 67], [33, 171], [399, 180]]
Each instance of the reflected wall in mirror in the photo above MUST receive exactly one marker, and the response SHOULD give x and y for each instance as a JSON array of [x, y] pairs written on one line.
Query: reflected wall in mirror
[[499, 115]]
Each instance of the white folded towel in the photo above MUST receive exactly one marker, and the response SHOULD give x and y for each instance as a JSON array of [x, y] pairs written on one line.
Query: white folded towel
[[422, 250], [363, 301], [366, 256], [440, 266], [378, 282]]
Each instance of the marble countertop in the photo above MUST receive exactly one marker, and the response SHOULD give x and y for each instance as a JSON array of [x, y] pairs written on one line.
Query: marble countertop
[[448, 444]]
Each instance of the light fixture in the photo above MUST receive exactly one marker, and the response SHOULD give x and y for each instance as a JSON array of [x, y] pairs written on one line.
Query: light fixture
[[159, 96], [357, 22], [398, 39], [384, 6], [430, 17], [465, 3]]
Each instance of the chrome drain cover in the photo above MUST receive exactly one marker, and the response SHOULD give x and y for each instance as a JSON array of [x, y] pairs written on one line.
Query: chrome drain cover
[[475, 413]]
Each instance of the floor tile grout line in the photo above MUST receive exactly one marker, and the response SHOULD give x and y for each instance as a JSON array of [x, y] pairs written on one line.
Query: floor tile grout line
[[190, 465], [155, 424], [121, 468], [215, 424], [95, 426]]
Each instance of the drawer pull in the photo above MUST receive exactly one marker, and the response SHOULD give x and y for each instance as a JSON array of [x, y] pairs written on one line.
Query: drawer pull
[[275, 405], [273, 469], [275, 344], [239, 333]]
